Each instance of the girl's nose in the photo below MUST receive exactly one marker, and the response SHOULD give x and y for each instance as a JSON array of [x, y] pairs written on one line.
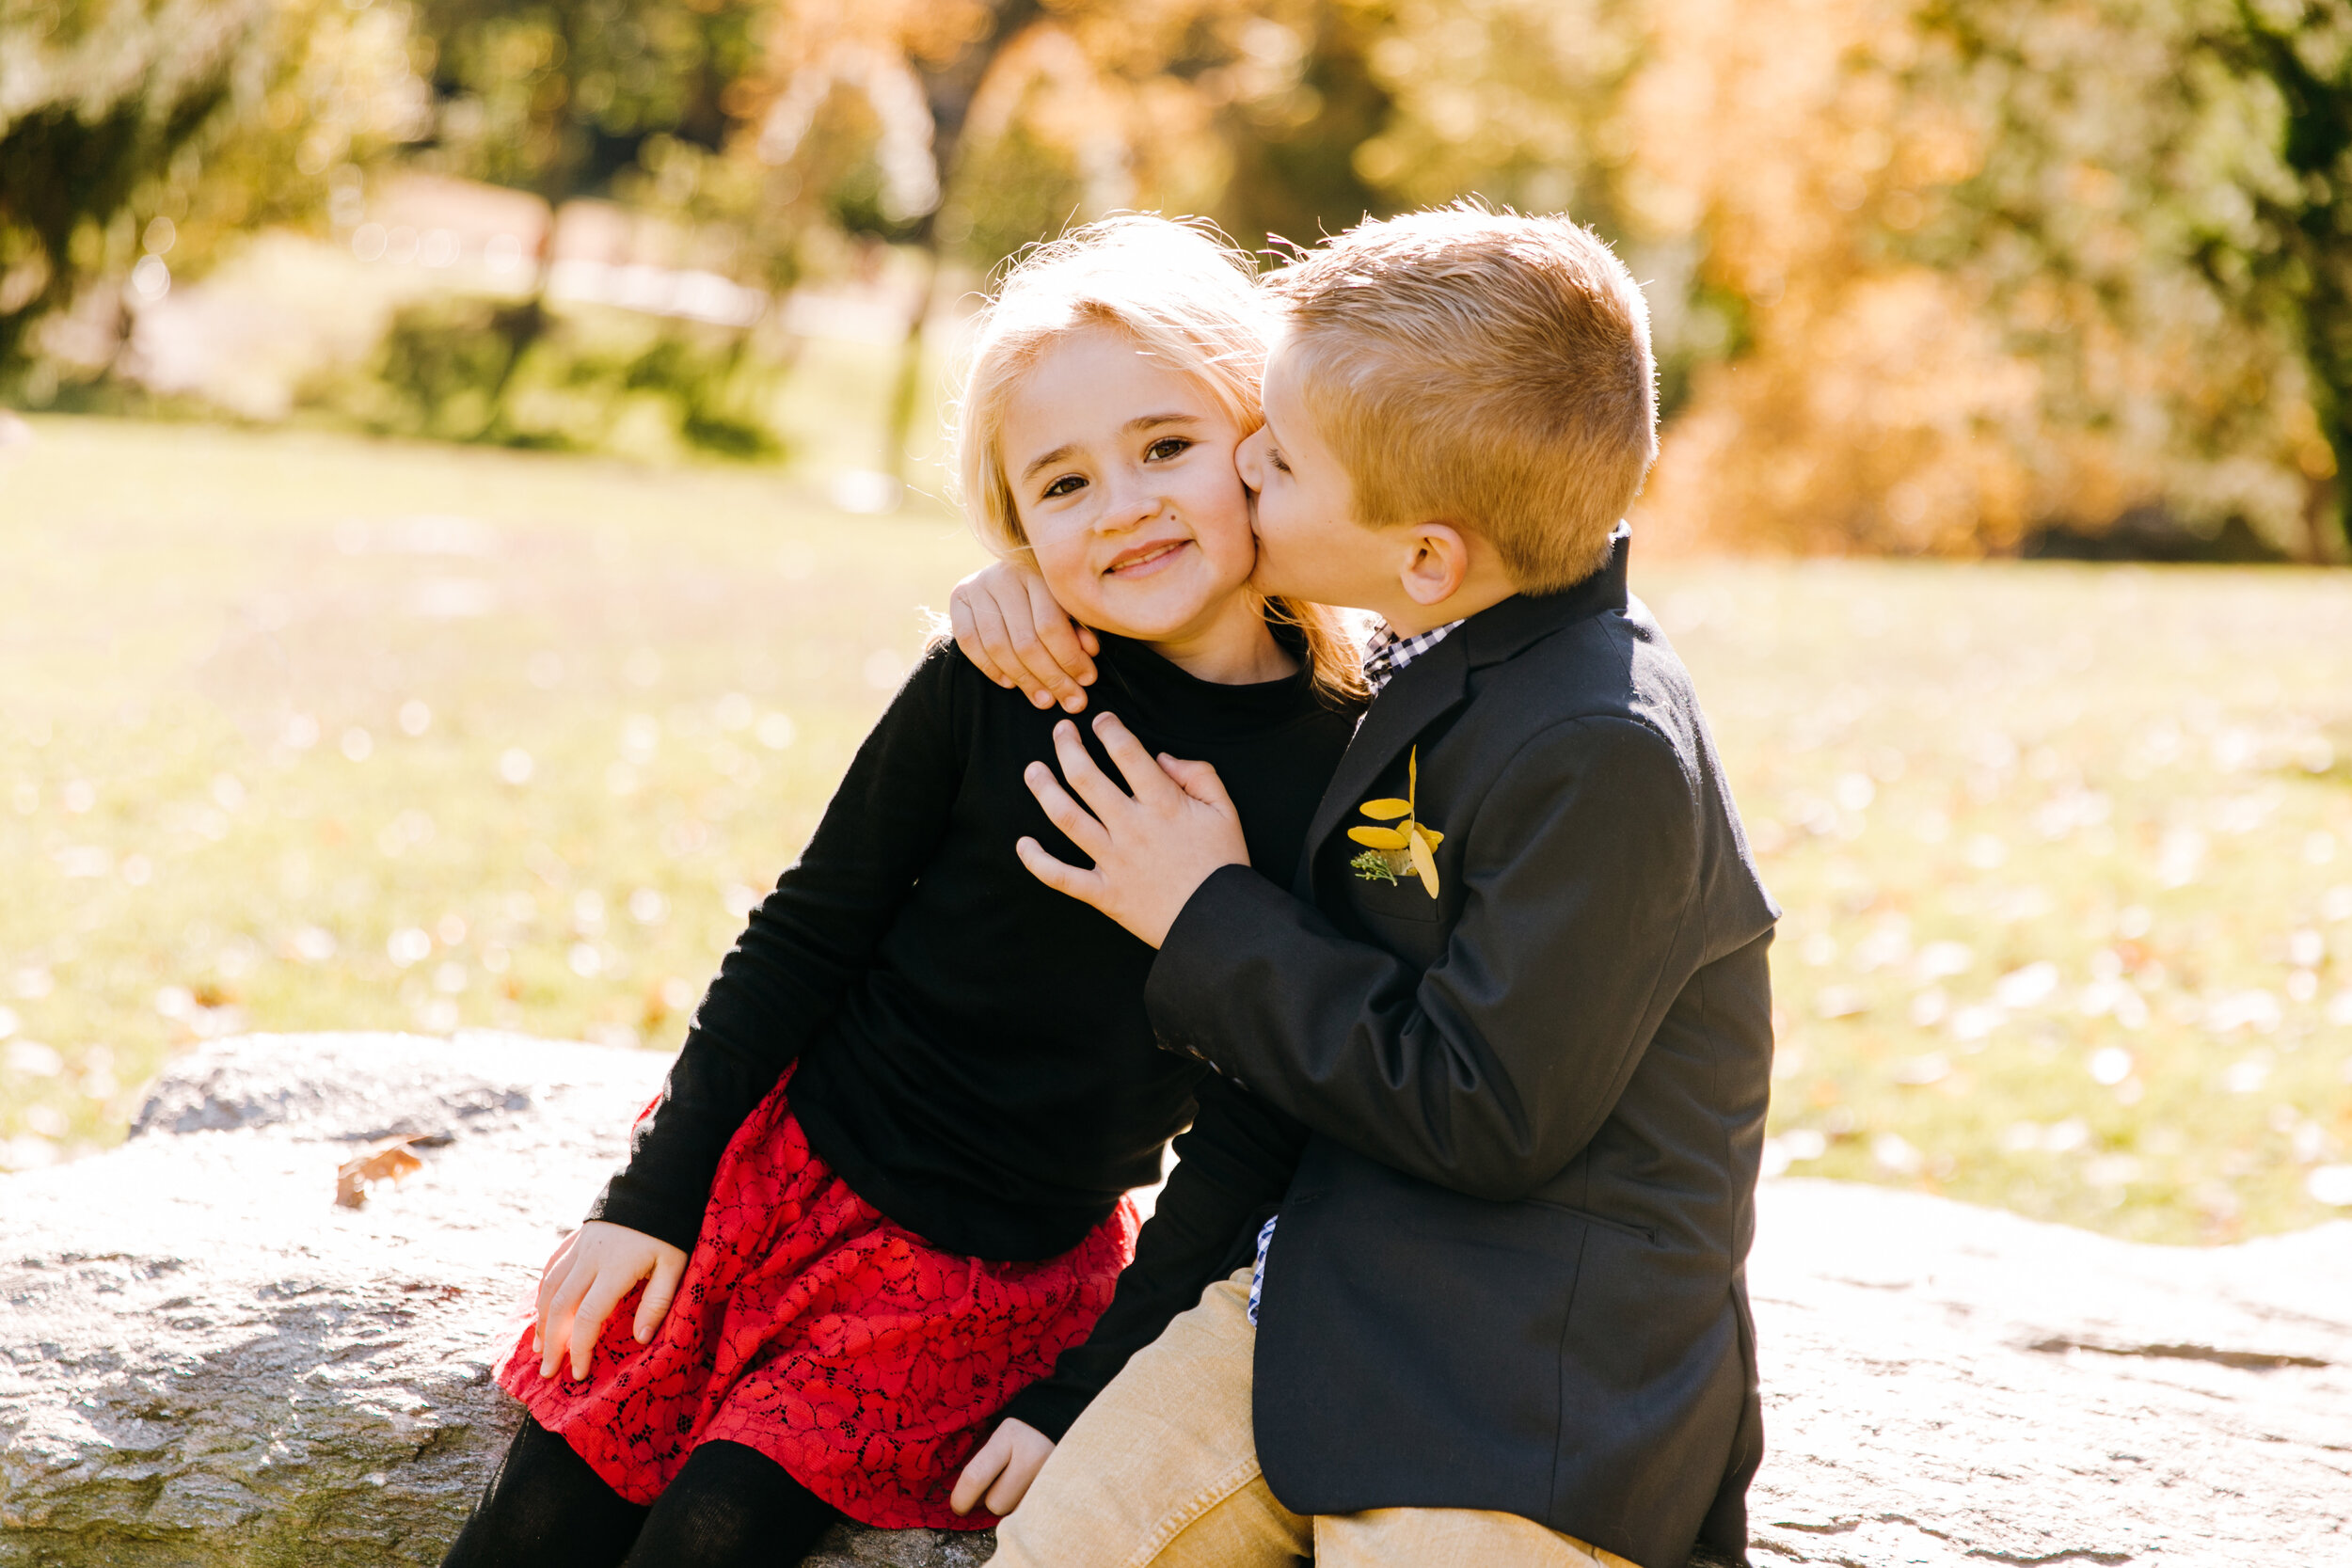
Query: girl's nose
[[1132, 501]]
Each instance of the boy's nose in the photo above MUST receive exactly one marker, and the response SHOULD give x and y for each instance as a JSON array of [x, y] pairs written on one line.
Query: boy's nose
[[1248, 455]]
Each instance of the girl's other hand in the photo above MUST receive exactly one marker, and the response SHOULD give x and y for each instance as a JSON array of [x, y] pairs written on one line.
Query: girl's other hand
[[1000, 1473], [1010, 626], [593, 1268]]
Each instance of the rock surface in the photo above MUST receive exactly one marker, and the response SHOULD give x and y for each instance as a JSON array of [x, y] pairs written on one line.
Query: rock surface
[[1946, 1384], [203, 1361]]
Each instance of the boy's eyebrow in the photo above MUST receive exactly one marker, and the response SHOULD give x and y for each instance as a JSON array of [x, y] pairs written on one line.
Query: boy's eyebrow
[[1140, 422]]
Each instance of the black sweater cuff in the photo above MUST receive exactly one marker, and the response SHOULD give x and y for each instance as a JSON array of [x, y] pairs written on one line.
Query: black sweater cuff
[[1232, 1167], [1051, 1407], [619, 1204]]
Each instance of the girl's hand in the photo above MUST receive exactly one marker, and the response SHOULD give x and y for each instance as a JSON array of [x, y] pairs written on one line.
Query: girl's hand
[[1010, 626], [1003, 1468], [597, 1266]]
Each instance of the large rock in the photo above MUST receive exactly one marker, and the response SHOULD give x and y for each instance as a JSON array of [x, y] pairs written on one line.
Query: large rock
[[1952, 1386], [204, 1360]]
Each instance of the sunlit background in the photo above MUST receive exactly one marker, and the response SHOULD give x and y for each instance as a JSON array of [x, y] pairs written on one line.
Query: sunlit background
[[474, 466]]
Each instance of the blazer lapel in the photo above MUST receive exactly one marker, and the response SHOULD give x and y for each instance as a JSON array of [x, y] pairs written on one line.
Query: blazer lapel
[[1418, 696], [1424, 691]]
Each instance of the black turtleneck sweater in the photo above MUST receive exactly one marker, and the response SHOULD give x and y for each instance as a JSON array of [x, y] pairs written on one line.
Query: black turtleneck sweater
[[974, 1057]]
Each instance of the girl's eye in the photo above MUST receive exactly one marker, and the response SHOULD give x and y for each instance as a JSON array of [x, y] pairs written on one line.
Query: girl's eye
[[1068, 485], [1165, 448], [1276, 458]]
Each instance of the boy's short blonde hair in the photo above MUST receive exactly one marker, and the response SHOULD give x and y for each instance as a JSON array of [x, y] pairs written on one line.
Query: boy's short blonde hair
[[1482, 368], [1184, 294]]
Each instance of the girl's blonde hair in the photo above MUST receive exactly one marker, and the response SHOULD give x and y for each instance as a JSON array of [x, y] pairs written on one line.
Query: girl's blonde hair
[[1186, 297]]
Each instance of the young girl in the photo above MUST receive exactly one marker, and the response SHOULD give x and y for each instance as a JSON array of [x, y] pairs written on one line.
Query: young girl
[[882, 1190]]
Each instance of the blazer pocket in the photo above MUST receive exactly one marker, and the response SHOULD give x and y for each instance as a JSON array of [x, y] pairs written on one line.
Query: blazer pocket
[[1625, 1228], [1403, 899]]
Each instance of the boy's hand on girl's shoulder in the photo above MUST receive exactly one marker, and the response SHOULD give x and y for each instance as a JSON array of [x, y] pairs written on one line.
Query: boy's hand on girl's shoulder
[[586, 1277], [1009, 627], [999, 1475], [1152, 847]]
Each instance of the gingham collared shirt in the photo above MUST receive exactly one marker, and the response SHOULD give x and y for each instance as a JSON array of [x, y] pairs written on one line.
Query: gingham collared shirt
[[1384, 653]]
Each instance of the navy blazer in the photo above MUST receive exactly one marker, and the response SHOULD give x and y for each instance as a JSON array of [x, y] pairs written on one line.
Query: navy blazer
[[1510, 1268]]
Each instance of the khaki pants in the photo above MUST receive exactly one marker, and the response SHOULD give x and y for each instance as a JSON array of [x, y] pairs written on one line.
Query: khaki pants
[[1162, 1470]]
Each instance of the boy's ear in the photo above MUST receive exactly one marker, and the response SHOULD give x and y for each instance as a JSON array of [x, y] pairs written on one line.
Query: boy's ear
[[1437, 563]]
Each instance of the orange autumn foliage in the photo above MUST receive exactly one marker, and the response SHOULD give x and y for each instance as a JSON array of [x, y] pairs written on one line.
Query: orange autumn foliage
[[1919, 376]]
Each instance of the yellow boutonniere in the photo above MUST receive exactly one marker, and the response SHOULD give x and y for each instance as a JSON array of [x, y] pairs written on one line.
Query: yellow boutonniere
[[1408, 842]]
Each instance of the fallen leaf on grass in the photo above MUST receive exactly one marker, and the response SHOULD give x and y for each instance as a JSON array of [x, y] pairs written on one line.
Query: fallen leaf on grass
[[386, 1160]]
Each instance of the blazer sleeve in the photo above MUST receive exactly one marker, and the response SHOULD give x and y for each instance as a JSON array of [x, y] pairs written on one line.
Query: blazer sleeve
[[786, 975], [1232, 1169], [1491, 1069]]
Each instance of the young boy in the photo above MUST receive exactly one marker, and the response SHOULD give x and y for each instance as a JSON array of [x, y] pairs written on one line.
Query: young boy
[[1503, 1042]]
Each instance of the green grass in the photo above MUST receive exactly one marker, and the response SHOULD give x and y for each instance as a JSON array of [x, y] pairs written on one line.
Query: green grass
[[2141, 779], [2066, 856], [266, 704]]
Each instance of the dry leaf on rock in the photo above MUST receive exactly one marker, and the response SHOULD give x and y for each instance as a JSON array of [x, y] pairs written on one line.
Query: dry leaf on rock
[[386, 1160]]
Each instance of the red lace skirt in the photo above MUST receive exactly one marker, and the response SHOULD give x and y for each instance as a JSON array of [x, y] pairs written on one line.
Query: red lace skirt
[[862, 1359]]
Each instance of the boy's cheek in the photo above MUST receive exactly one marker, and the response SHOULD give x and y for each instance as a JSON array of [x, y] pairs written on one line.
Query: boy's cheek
[[1271, 576], [1279, 536], [1268, 514]]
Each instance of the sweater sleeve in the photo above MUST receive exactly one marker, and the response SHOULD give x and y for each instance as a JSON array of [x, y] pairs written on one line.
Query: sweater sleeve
[[1232, 1167], [806, 941]]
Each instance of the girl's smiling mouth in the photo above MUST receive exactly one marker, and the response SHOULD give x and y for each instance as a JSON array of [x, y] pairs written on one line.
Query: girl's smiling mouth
[[1141, 559]]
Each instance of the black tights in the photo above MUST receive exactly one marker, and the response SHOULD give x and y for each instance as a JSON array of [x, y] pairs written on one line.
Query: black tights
[[729, 1506]]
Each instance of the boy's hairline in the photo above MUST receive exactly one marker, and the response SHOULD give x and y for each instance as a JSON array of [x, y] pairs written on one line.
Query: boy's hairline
[[1286, 336]]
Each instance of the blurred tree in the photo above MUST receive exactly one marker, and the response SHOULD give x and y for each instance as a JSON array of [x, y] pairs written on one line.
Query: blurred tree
[[449, 368], [2154, 209], [135, 138], [993, 123], [564, 98], [953, 130], [2300, 268], [1291, 119], [1521, 100], [1530, 104], [1980, 263], [1297, 96], [560, 97], [918, 70], [1927, 276]]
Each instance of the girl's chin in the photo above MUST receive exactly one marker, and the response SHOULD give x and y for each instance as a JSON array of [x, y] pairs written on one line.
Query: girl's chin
[[1150, 620]]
